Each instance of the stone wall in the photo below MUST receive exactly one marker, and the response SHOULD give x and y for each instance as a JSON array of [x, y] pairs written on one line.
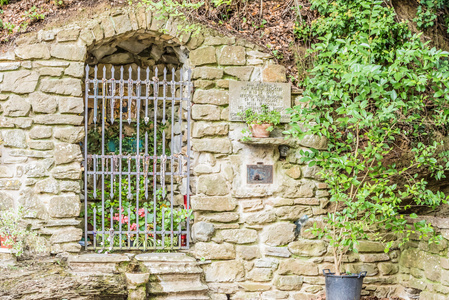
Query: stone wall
[[424, 268], [244, 235]]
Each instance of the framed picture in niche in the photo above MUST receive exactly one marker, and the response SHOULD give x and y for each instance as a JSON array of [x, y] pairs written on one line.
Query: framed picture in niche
[[259, 174]]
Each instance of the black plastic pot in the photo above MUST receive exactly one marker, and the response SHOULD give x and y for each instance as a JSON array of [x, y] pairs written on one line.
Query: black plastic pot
[[343, 287]]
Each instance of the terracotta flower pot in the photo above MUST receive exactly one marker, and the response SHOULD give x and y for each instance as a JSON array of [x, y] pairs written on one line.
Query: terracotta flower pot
[[260, 130], [2, 241]]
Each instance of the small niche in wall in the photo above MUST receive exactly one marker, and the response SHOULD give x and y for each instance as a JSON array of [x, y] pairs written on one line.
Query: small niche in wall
[[259, 174]]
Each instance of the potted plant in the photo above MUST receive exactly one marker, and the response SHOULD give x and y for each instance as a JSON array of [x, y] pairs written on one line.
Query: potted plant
[[262, 122], [383, 133], [15, 234]]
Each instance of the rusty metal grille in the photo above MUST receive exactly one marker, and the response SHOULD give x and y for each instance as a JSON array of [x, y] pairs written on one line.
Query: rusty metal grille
[[136, 159]]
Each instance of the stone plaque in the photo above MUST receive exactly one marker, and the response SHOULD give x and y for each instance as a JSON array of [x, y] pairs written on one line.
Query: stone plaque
[[244, 95], [259, 174]]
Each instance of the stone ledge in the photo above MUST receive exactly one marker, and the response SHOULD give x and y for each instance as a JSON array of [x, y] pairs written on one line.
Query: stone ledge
[[171, 257], [275, 141], [98, 258]]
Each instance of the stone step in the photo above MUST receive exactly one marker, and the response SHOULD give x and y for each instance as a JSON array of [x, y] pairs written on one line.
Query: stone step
[[184, 296], [172, 268], [177, 283]]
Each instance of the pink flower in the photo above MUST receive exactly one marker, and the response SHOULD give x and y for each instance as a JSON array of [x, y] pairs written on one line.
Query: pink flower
[[133, 227], [142, 212]]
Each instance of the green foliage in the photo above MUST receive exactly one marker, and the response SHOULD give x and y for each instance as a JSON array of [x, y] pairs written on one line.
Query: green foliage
[[4, 2], [380, 98], [174, 9], [428, 11], [16, 233], [264, 116]]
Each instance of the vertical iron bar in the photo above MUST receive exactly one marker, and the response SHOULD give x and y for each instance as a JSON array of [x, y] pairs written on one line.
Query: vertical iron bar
[[181, 91], [94, 233], [163, 228], [163, 161], [138, 151], [122, 88], [111, 230], [130, 94], [95, 94], [189, 86], [112, 95], [129, 228], [146, 165], [147, 93], [95, 157], [103, 118], [86, 124], [173, 95], [156, 90], [146, 230]]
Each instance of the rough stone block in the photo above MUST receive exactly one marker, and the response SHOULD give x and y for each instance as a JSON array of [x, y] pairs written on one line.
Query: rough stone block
[[40, 132], [369, 258], [41, 145], [202, 56], [9, 66], [288, 283], [298, 267], [260, 274], [16, 106], [231, 55], [70, 135], [202, 232], [206, 112], [217, 145], [68, 51], [212, 185], [68, 234], [14, 138], [214, 251], [252, 205], [70, 186], [59, 119], [369, 246], [36, 170], [274, 73], [65, 86], [76, 69], [207, 73], [224, 271], [263, 217], [269, 295], [37, 51], [292, 213], [20, 82], [215, 97], [6, 172], [64, 206], [277, 251], [10, 184], [388, 268], [68, 35], [238, 236], [308, 247], [67, 153], [42, 103], [71, 105], [294, 172], [202, 129], [248, 252], [207, 203], [242, 73], [278, 234], [203, 84], [49, 185], [225, 217], [72, 172]]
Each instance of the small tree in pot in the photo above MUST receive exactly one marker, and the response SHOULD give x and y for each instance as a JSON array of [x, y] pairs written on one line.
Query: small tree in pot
[[262, 122], [380, 97]]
